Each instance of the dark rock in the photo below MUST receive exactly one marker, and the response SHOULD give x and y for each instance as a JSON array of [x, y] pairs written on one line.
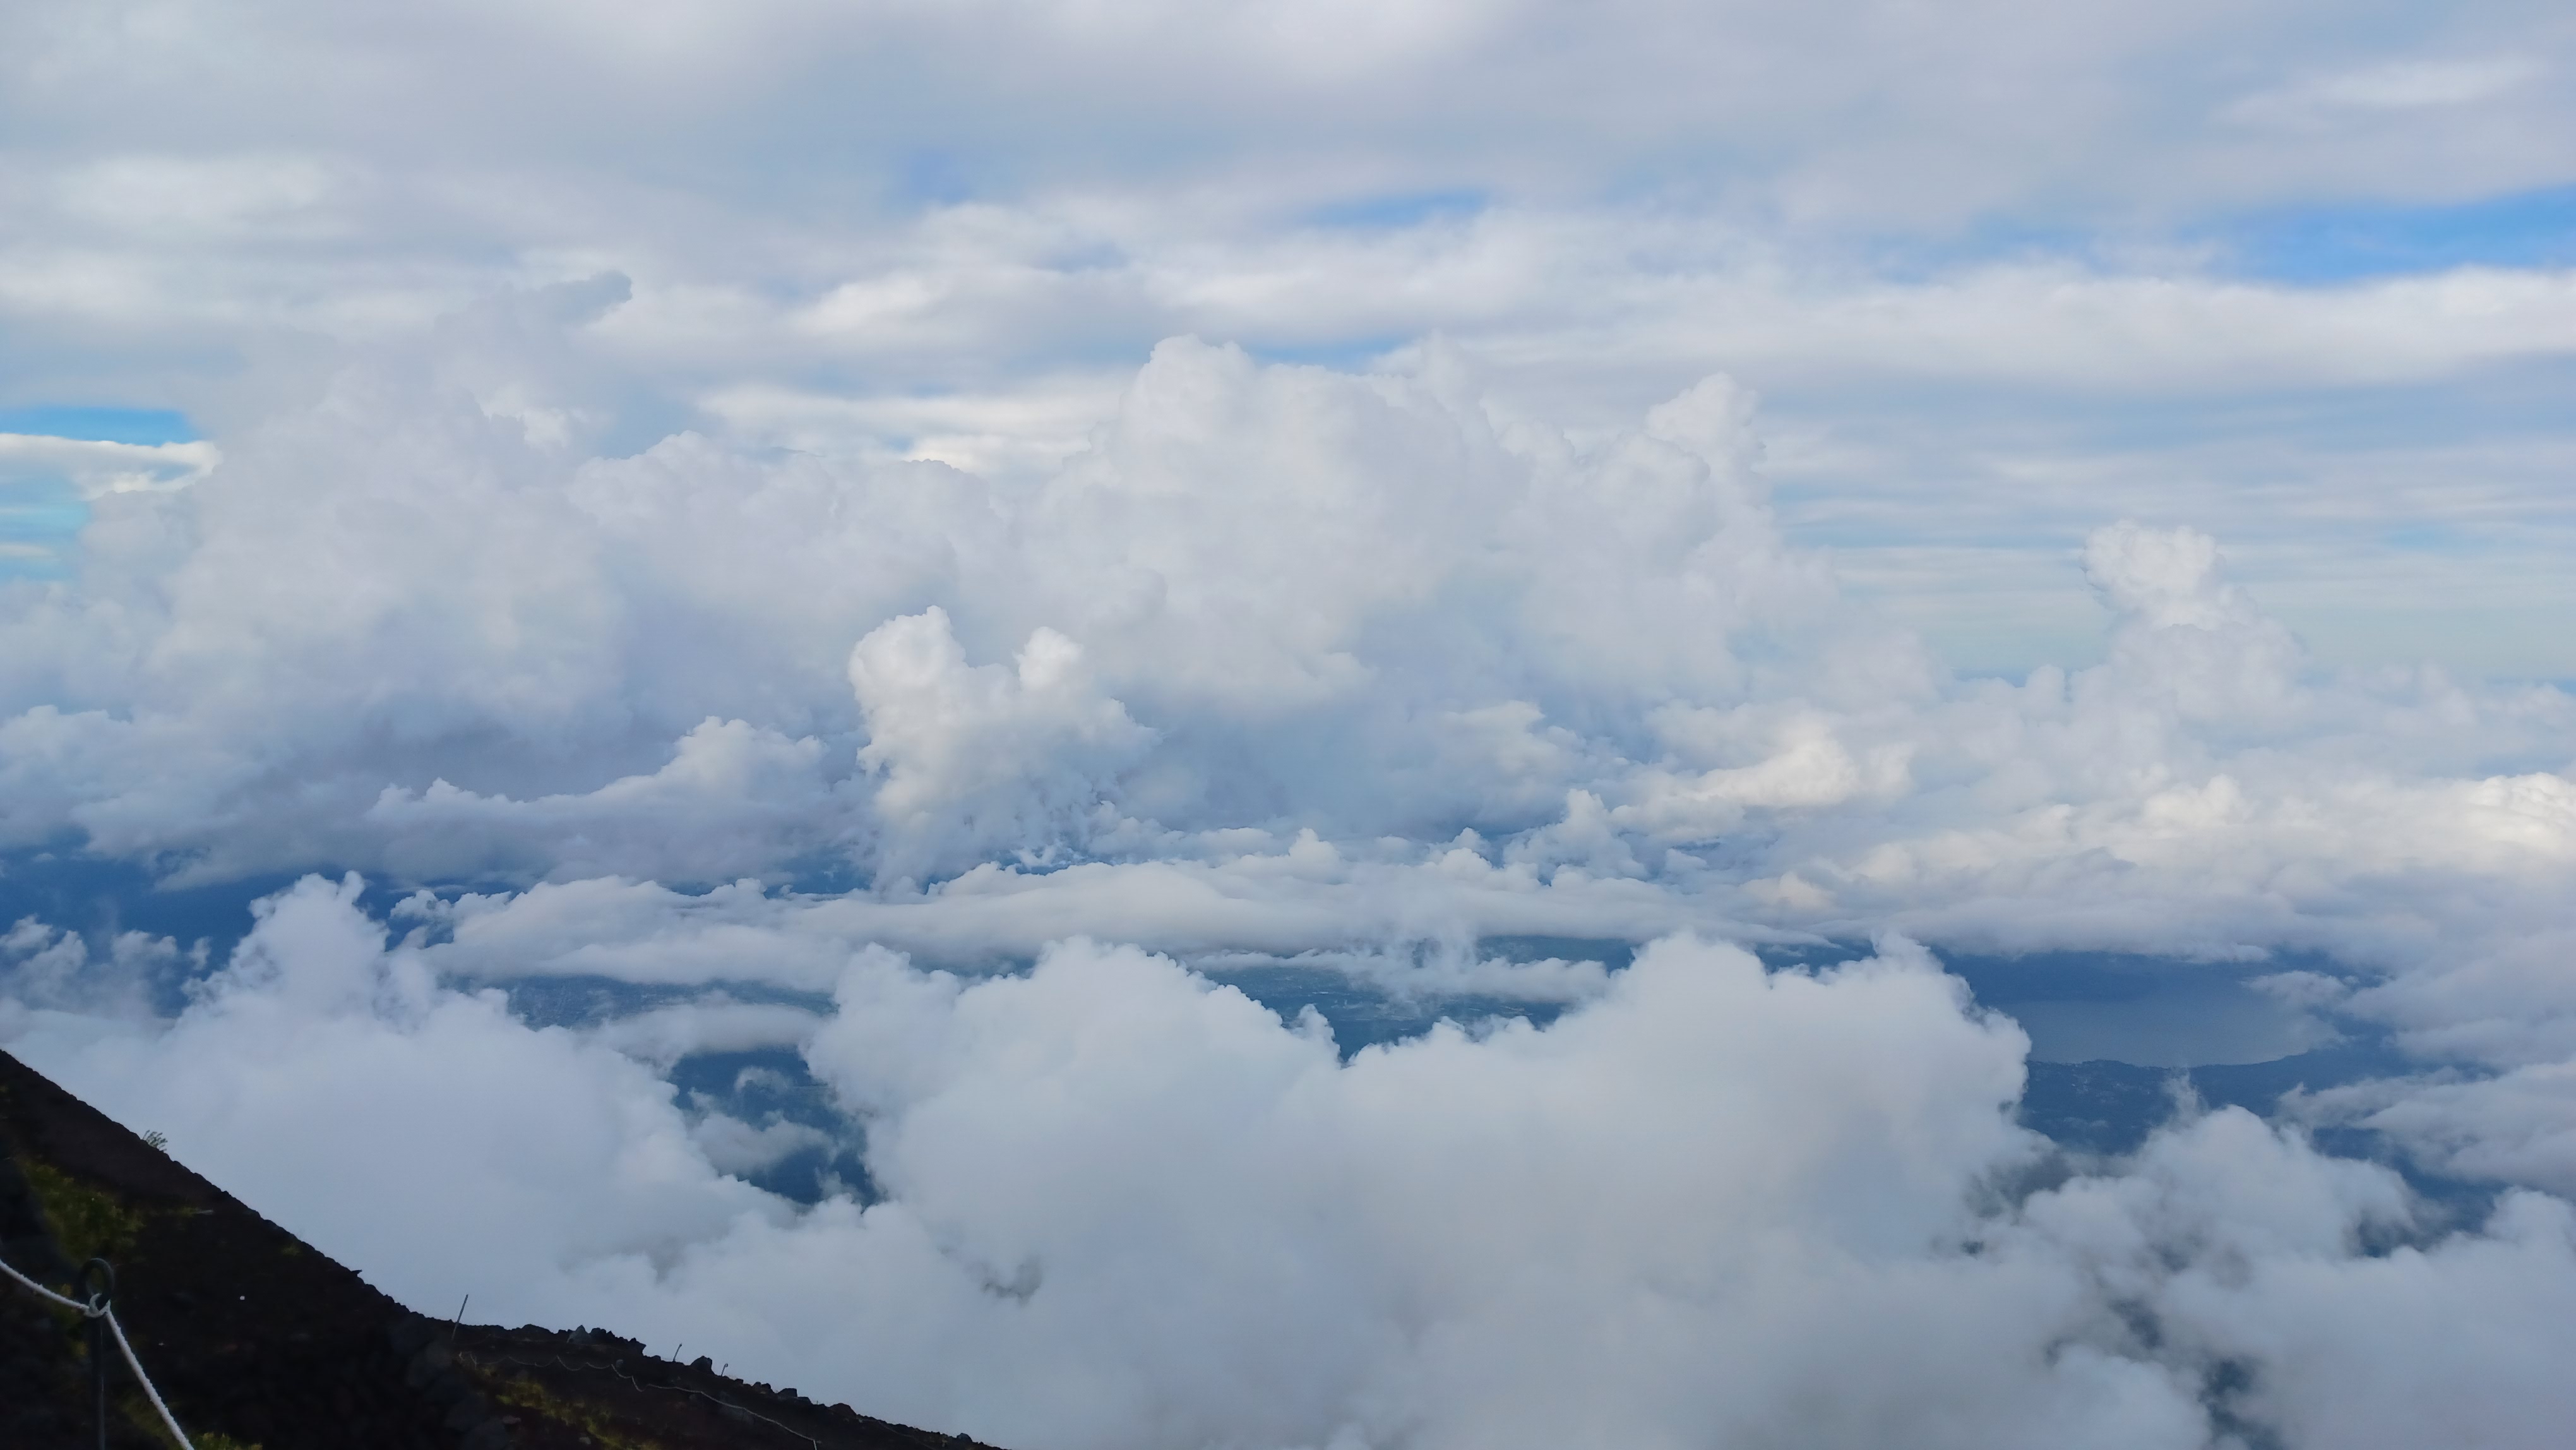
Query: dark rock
[[433, 1360], [408, 1334], [468, 1411]]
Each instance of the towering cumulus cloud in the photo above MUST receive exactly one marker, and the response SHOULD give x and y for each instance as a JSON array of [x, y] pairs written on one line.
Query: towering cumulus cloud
[[1342, 914]]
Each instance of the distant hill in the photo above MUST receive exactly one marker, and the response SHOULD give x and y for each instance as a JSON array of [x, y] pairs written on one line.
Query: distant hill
[[256, 1339]]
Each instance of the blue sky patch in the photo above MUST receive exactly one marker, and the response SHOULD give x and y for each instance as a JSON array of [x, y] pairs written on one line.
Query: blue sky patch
[[935, 177], [2339, 244], [41, 518], [101, 425], [1394, 213], [1352, 354], [39, 521]]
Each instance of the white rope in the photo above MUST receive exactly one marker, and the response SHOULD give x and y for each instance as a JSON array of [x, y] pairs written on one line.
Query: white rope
[[98, 1309], [145, 1380], [33, 1287]]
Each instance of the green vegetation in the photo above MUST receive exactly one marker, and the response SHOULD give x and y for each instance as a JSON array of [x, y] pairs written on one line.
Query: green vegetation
[[527, 1396], [140, 1415], [87, 1222]]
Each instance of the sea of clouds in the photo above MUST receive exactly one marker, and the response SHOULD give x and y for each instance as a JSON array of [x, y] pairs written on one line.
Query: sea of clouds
[[972, 797], [1113, 724]]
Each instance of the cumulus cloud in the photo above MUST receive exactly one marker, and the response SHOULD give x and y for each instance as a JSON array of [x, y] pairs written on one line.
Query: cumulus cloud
[[980, 758], [1270, 596], [44, 967], [1119, 1203], [317, 1057], [1288, 665], [976, 792], [908, 609]]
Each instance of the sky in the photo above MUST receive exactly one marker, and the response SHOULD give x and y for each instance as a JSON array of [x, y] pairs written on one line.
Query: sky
[[1316, 725]]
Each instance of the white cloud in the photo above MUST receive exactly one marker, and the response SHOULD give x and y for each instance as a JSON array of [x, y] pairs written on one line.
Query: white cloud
[[749, 797], [664, 457], [1804, 196], [317, 1057], [734, 1146], [2412, 85], [200, 198], [978, 758], [1123, 1205], [104, 468]]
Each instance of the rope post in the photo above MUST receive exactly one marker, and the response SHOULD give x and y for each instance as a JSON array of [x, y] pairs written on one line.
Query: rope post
[[97, 1285], [103, 1326]]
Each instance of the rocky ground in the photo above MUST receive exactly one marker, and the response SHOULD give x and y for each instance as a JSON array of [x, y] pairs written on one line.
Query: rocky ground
[[255, 1339]]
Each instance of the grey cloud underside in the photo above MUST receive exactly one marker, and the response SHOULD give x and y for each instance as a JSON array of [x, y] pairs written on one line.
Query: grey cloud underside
[[876, 229], [1846, 109]]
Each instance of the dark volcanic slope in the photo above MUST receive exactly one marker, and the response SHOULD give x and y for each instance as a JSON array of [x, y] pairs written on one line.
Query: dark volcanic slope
[[257, 1340]]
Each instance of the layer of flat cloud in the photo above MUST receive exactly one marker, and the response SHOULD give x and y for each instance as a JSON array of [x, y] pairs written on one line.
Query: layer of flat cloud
[[875, 231]]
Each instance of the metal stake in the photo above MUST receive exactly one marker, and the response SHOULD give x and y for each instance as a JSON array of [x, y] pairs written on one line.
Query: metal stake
[[104, 1274]]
